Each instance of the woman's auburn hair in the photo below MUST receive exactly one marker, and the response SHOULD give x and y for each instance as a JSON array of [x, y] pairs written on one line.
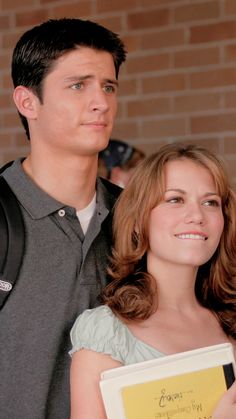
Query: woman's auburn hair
[[132, 292]]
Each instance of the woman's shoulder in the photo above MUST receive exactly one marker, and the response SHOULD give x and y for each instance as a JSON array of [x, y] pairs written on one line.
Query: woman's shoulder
[[96, 320], [100, 330]]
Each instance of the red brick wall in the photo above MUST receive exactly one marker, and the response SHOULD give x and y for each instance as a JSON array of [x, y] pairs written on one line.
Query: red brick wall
[[179, 82]]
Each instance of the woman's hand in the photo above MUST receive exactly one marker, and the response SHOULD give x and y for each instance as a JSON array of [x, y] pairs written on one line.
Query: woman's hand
[[226, 408]]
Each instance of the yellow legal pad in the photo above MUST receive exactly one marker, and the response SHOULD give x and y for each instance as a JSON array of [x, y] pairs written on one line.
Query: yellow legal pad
[[191, 395], [185, 385]]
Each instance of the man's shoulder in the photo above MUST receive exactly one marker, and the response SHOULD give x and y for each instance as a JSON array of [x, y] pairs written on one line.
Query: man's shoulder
[[111, 188], [12, 239], [12, 171], [6, 165]]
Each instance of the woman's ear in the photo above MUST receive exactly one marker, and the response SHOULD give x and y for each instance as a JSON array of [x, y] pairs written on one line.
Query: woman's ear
[[136, 235], [26, 102]]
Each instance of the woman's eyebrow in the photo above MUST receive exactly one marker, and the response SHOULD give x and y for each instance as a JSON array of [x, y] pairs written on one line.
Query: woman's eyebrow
[[175, 190], [206, 194]]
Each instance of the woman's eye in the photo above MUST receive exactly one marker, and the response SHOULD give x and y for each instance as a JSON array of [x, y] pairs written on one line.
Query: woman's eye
[[211, 203], [175, 200]]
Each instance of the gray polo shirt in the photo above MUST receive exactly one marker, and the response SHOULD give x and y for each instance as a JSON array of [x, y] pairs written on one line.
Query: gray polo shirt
[[61, 275]]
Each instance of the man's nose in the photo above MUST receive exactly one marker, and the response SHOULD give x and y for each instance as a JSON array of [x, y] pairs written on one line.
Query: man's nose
[[99, 101]]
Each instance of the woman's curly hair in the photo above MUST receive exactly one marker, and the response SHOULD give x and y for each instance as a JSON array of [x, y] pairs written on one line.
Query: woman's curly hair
[[132, 292]]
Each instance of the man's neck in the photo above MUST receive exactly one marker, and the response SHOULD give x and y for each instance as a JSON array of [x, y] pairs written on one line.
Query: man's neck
[[71, 182]]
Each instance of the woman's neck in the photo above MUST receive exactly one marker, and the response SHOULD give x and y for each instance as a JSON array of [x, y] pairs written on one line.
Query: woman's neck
[[175, 285]]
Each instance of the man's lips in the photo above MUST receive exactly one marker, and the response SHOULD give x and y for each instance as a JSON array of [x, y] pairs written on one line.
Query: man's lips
[[95, 123]]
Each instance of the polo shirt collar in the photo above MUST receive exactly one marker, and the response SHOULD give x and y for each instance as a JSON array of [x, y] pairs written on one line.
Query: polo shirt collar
[[37, 202]]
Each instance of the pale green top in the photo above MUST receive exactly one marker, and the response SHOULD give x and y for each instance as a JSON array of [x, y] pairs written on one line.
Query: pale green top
[[101, 331]]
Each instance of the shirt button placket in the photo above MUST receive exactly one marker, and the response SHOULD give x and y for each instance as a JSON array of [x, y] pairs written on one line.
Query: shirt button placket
[[61, 212]]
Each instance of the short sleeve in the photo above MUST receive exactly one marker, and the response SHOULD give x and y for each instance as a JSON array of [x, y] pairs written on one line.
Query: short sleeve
[[99, 330]]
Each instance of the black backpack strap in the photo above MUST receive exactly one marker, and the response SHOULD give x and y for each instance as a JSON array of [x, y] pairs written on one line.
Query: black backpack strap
[[12, 240], [111, 187]]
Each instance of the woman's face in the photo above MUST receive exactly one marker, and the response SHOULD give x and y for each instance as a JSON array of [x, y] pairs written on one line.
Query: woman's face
[[186, 226]]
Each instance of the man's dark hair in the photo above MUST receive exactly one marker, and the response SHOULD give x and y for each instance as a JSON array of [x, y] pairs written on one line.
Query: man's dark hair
[[39, 47]]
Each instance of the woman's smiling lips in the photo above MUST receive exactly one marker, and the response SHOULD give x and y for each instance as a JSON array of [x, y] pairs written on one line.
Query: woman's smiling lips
[[192, 235]]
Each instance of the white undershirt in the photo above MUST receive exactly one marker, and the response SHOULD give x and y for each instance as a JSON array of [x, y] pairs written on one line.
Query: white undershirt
[[86, 214]]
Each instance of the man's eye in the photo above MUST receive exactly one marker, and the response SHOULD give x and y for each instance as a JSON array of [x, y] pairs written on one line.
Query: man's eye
[[77, 86], [109, 88]]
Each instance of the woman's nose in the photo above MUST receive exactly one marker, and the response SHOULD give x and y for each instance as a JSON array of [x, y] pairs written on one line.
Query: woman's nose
[[194, 214]]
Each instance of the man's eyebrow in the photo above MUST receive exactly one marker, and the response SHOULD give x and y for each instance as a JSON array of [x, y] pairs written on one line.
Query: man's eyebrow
[[112, 81], [74, 79]]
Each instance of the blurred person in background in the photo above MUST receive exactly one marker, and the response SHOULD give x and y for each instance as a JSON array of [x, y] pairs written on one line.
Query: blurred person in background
[[118, 161]]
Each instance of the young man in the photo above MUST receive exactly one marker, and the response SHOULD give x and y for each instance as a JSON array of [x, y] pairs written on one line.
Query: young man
[[65, 76]]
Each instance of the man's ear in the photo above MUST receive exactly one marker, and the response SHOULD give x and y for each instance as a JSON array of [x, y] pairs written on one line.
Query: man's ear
[[26, 102]]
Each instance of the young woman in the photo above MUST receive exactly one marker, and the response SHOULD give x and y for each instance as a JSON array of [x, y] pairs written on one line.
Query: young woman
[[173, 273]]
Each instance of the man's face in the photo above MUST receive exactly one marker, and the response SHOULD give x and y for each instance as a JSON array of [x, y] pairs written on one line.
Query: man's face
[[79, 103]]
